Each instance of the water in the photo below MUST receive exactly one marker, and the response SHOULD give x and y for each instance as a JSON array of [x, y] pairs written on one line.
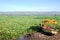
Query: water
[[21, 38]]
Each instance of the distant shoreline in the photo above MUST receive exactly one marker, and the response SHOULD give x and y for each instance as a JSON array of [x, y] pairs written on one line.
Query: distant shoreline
[[28, 13]]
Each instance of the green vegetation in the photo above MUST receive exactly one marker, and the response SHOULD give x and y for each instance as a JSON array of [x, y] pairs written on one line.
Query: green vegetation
[[12, 27]]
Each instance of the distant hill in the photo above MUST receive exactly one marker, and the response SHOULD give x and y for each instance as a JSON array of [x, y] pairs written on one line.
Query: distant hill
[[29, 13]]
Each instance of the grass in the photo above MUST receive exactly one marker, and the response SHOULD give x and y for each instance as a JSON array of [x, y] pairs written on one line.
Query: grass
[[12, 27]]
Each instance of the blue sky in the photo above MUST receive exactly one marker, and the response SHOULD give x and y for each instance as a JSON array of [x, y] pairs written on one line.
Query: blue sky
[[29, 5]]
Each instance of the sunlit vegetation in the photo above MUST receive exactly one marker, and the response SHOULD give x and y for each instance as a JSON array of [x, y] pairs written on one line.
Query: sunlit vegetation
[[12, 27]]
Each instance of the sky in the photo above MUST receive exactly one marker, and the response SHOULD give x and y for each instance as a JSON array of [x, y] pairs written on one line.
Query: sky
[[29, 5]]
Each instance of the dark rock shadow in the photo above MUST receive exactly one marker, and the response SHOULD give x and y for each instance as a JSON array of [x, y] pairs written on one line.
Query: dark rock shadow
[[39, 29]]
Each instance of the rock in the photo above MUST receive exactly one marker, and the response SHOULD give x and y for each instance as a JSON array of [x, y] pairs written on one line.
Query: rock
[[39, 36]]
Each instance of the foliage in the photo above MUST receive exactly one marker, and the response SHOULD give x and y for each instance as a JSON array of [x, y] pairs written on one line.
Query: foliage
[[12, 27]]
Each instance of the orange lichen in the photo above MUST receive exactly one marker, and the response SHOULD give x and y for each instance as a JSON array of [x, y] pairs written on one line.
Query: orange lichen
[[54, 21], [45, 21], [50, 21]]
